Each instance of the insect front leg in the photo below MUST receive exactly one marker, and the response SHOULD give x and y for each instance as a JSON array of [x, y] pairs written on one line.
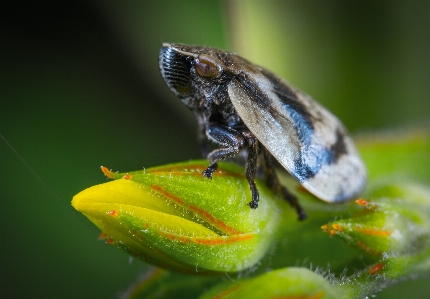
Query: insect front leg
[[232, 141], [273, 183]]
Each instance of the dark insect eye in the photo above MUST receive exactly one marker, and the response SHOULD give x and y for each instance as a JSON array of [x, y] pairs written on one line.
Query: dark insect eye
[[207, 66]]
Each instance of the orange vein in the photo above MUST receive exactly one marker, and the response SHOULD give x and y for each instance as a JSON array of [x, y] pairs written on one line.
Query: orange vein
[[210, 218]]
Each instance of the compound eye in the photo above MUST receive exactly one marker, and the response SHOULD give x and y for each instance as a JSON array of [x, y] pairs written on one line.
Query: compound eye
[[207, 66]]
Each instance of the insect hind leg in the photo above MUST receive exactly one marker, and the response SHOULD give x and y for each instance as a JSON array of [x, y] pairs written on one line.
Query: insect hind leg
[[273, 183]]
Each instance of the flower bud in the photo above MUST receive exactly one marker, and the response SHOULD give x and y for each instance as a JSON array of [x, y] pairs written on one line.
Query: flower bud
[[282, 283], [396, 223], [173, 217]]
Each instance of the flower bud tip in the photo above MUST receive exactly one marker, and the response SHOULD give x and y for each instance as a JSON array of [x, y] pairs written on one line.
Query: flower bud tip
[[376, 268], [107, 172], [362, 202]]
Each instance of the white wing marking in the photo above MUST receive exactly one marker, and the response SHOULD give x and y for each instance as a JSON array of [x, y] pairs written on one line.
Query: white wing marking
[[284, 137]]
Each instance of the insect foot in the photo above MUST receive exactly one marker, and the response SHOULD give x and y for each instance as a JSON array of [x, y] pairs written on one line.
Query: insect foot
[[208, 172], [255, 195]]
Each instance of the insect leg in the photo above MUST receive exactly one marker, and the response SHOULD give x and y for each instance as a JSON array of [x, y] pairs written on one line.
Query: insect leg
[[251, 170], [232, 141], [273, 183]]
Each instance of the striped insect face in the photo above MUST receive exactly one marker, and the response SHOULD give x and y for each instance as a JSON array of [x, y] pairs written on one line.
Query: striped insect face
[[240, 105], [196, 73], [175, 67]]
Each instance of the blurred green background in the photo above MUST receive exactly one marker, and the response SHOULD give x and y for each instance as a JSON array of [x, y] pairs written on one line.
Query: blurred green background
[[80, 88]]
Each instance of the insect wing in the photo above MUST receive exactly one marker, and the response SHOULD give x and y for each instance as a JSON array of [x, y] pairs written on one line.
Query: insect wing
[[306, 139]]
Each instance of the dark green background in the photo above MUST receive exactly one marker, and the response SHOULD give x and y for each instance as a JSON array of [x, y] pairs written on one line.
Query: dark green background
[[80, 88]]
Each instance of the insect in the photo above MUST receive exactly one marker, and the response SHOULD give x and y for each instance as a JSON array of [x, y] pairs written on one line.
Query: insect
[[239, 105]]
